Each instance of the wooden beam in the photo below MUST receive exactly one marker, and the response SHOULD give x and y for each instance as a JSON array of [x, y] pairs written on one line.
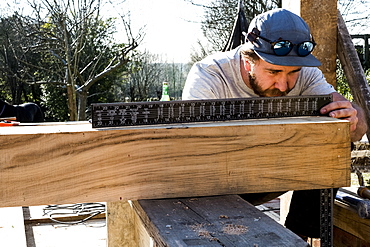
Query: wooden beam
[[321, 17], [353, 70], [68, 163]]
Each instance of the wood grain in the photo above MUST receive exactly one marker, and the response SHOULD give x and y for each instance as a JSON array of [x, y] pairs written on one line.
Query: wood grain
[[74, 163], [345, 239], [211, 221], [124, 227]]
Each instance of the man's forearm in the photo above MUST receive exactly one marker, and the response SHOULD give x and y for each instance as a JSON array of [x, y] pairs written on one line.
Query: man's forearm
[[361, 126]]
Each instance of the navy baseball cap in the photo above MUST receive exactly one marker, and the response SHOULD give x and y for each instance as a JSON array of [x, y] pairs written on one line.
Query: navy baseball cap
[[269, 32]]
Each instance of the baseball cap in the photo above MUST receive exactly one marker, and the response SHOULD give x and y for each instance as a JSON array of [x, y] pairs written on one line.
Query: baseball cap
[[280, 25]]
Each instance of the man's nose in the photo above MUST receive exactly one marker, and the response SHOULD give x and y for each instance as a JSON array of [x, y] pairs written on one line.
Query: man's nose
[[281, 83]]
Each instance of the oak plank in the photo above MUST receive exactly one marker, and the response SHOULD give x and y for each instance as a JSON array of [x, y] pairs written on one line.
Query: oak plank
[[70, 163]]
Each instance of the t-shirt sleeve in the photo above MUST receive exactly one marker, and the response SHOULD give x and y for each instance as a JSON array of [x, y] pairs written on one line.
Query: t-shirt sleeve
[[313, 82], [203, 83]]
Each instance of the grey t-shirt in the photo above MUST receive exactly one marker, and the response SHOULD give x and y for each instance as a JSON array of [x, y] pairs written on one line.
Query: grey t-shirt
[[218, 76]]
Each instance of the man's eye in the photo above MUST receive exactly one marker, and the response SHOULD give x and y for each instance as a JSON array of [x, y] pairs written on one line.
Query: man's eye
[[294, 71]]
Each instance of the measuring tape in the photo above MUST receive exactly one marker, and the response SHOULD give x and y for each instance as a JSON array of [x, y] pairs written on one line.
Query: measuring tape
[[166, 112]]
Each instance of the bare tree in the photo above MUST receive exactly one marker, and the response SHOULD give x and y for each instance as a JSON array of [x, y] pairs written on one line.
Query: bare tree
[[74, 35], [356, 14], [144, 79], [146, 75]]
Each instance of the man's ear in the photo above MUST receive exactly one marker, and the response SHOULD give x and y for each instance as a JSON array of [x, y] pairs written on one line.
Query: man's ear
[[247, 65]]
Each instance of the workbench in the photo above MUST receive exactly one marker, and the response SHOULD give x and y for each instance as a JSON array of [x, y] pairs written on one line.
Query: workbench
[[58, 163]]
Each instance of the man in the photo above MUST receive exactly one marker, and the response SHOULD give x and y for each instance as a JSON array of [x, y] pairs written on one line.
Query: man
[[276, 60]]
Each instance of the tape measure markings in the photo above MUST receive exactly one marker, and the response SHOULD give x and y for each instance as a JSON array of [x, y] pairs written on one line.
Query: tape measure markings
[[159, 112]]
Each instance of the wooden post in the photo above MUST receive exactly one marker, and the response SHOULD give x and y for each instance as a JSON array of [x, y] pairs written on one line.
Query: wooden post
[[120, 222], [321, 17], [353, 69], [124, 228]]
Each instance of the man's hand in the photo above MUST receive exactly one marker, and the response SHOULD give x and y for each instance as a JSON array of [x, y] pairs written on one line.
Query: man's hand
[[341, 108]]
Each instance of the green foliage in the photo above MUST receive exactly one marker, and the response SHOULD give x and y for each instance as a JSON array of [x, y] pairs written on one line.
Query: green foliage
[[14, 57], [342, 84], [55, 103]]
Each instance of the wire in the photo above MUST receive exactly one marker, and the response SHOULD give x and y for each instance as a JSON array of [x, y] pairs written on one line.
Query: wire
[[79, 209]]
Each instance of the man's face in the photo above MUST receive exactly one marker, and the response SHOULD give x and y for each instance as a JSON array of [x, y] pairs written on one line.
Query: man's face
[[268, 80]]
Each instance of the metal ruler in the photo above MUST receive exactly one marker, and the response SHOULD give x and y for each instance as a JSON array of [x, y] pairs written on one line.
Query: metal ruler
[[165, 112], [326, 217]]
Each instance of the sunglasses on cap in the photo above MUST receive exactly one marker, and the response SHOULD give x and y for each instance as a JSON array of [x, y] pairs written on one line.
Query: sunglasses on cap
[[284, 47]]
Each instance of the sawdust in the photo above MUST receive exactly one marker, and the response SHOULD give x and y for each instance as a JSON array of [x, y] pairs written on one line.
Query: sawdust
[[232, 229], [199, 228]]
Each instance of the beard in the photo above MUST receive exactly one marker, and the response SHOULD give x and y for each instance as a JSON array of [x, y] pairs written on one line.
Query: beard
[[270, 92]]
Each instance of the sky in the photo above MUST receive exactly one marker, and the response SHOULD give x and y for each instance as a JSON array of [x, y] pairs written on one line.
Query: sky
[[171, 27]]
